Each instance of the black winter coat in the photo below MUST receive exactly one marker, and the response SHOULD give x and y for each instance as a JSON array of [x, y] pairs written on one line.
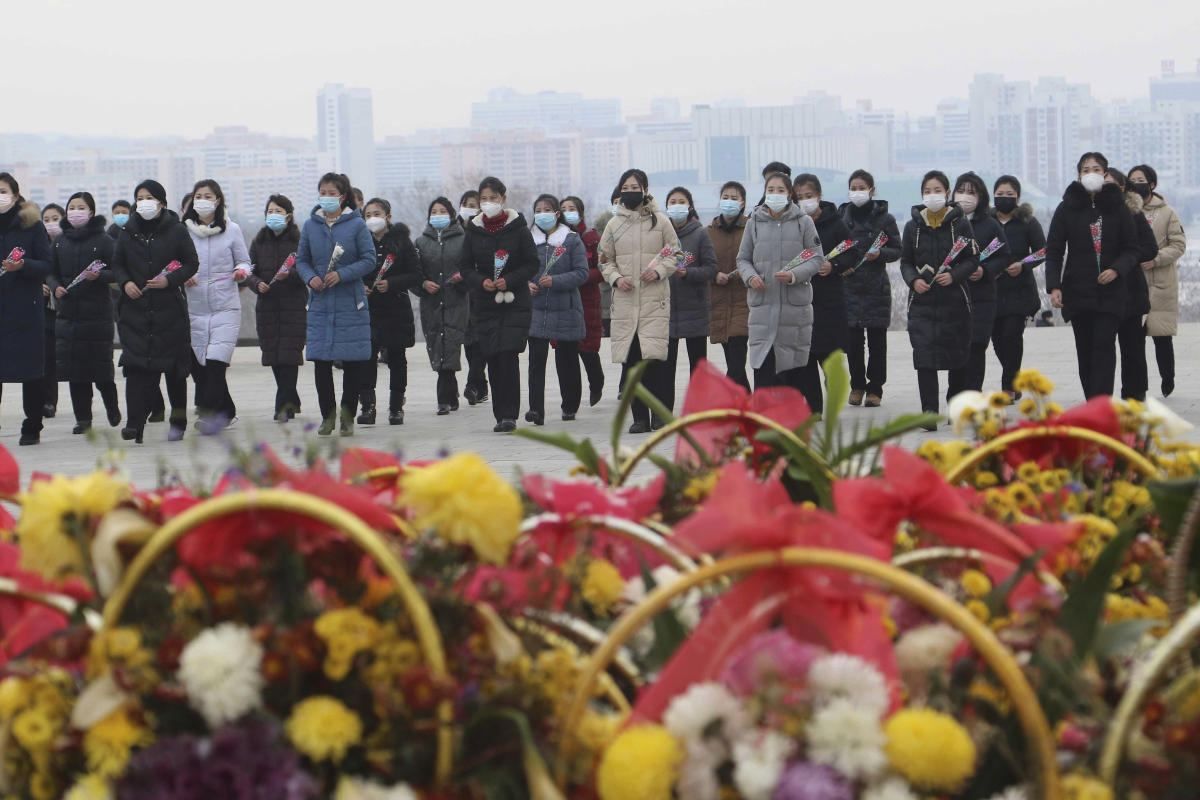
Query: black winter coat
[[1138, 302], [1071, 260], [155, 330], [500, 327], [868, 288], [829, 295], [983, 291], [691, 300], [279, 314], [939, 321], [84, 327], [392, 324], [22, 303], [445, 313], [1018, 297]]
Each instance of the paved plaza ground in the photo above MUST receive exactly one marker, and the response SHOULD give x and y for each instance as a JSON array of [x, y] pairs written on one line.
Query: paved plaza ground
[[426, 435]]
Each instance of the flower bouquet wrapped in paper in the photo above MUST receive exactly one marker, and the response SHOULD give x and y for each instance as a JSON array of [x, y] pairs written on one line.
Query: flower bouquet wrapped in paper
[[990, 250], [956, 249], [334, 258], [499, 261], [668, 256], [14, 256], [840, 248], [874, 249], [166, 271], [1097, 229], [558, 253], [383, 270], [1034, 258], [93, 268], [284, 270]]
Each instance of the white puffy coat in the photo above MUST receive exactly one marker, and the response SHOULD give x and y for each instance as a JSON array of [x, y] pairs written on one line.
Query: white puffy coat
[[213, 304]]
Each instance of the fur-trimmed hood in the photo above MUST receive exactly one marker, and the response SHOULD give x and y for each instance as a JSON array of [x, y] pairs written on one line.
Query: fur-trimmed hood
[[396, 234], [28, 214], [1024, 212], [1134, 203], [1108, 199]]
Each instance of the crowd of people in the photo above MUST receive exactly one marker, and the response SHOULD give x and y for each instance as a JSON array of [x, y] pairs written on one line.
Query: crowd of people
[[781, 286]]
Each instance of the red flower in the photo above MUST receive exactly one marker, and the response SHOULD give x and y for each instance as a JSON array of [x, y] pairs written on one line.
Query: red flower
[[290, 261], [24, 623], [1096, 415], [10, 474], [559, 251], [16, 255], [502, 254]]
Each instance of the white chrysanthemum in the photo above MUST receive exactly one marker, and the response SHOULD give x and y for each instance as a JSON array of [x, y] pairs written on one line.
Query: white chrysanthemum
[[963, 408], [693, 713], [686, 606], [698, 775], [841, 676], [1013, 792], [889, 789], [220, 669], [358, 789], [759, 760], [923, 650], [1171, 424], [848, 738]]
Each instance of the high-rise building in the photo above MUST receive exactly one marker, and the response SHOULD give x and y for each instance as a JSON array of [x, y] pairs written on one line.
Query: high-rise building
[[346, 132], [996, 107], [404, 161], [552, 112]]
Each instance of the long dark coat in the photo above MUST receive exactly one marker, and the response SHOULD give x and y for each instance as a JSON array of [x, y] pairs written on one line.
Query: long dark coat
[[279, 314], [829, 294], [589, 293], [868, 287], [500, 327], [83, 330], [691, 304], [1018, 296], [1071, 260], [392, 325], [22, 304], [446, 313], [983, 291]]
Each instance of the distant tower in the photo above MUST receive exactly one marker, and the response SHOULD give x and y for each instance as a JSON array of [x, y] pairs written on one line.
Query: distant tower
[[346, 132]]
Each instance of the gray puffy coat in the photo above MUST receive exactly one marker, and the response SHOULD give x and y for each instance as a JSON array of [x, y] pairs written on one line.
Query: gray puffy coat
[[781, 316], [445, 313], [558, 309], [690, 293]]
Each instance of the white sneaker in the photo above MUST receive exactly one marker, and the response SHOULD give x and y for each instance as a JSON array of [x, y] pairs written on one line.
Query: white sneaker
[[232, 423]]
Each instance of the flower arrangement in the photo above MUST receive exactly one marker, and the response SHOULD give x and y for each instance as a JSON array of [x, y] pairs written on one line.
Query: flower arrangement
[[92, 269], [673, 258], [334, 258], [15, 255], [284, 270], [388, 261], [500, 261], [1097, 229], [166, 272], [555, 255], [993, 246]]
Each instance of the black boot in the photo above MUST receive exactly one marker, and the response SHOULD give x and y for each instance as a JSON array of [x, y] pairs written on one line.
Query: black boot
[[327, 426], [396, 416], [367, 417], [347, 426], [82, 426]]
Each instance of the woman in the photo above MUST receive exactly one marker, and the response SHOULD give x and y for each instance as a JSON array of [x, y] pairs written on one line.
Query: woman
[[829, 297], [729, 313], [1017, 296], [335, 253], [868, 289], [630, 257], [589, 295], [476, 389], [779, 256], [83, 330], [1131, 334], [1163, 277], [22, 308], [120, 215], [154, 257], [213, 303], [557, 309], [279, 310], [691, 305], [445, 309], [498, 262], [939, 306], [1088, 280], [52, 217], [393, 330], [971, 195]]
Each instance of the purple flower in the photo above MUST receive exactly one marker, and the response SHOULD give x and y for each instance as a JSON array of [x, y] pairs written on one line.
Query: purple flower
[[769, 656], [805, 781]]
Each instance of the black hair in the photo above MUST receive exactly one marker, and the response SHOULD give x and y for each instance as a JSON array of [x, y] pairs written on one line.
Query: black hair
[[578, 204], [1011, 180], [1083, 159], [691, 203], [776, 166], [864, 175], [449, 207], [342, 184], [379, 201], [735, 185], [553, 201], [6, 177], [981, 192], [616, 194], [644, 181], [86, 197], [935, 174], [1147, 170], [122, 204], [1119, 178], [62, 212], [495, 184], [469, 194], [787, 180], [185, 203], [358, 195], [218, 213], [282, 202], [807, 178]]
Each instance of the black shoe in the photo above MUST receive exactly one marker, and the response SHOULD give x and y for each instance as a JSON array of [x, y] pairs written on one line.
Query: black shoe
[[505, 426], [595, 396], [568, 417], [347, 426], [443, 410], [82, 427], [639, 427], [132, 435], [930, 426], [114, 417], [1168, 386], [483, 396], [327, 426], [282, 416], [471, 394], [367, 417], [454, 405], [29, 437], [656, 424], [536, 417], [158, 416], [48, 412], [396, 417]]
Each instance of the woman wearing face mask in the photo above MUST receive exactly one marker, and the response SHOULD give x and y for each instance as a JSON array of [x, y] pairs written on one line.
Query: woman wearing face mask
[[1017, 296], [729, 316], [971, 195], [691, 305], [339, 323], [83, 329], [829, 297], [445, 309], [868, 289], [1090, 286], [498, 262], [1131, 335], [53, 216], [393, 330], [641, 299], [22, 311], [1163, 275], [152, 312], [476, 389], [557, 309], [120, 215], [939, 307], [589, 295], [213, 303], [779, 256], [279, 310]]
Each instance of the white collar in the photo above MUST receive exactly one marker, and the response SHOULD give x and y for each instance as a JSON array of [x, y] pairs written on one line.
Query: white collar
[[557, 238], [201, 230]]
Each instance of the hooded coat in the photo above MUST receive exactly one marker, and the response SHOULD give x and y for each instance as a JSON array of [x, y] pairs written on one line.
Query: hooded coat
[[392, 324], [781, 315], [867, 287], [939, 320], [983, 291], [1164, 277], [213, 303], [279, 314], [339, 323], [1018, 296], [631, 240], [558, 309], [83, 330], [446, 313], [1071, 259], [500, 327], [22, 309], [155, 329], [589, 293], [691, 306], [730, 316], [829, 294]]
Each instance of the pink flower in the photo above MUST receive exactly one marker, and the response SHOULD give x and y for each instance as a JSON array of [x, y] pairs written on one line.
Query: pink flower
[[16, 255], [771, 656]]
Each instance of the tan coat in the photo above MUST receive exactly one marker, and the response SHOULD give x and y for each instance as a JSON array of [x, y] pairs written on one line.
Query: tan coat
[[1164, 276], [627, 247], [730, 314]]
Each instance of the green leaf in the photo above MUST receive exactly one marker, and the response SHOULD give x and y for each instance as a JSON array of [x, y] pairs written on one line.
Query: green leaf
[[669, 634], [632, 378], [837, 392], [1083, 608], [583, 450], [805, 467], [997, 598], [878, 436], [1120, 637], [1171, 500]]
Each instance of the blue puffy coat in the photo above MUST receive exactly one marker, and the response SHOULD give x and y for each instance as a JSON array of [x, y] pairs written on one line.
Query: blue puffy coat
[[339, 323], [558, 310], [22, 316]]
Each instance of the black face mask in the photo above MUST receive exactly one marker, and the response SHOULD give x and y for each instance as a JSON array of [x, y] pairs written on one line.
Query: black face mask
[[1141, 190], [1006, 205], [632, 200]]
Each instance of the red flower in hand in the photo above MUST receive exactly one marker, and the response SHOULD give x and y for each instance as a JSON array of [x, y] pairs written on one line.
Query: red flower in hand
[[559, 251]]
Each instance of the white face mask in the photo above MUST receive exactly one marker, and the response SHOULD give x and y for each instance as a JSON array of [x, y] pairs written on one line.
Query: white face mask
[[809, 206], [376, 224], [967, 202], [860, 199], [204, 208], [6, 202], [1092, 181], [147, 209], [934, 202], [491, 210], [776, 202], [467, 213]]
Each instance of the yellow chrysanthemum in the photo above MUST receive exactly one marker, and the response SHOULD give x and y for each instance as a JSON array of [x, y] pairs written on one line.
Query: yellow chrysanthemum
[[42, 786], [979, 609], [976, 583], [1032, 381], [1028, 408], [110, 742], [602, 586], [33, 729], [91, 787], [929, 749], [986, 480], [701, 486], [1082, 787], [323, 729], [1028, 471], [999, 400], [47, 546], [346, 633], [1023, 496], [640, 764], [466, 502], [596, 731], [932, 451]]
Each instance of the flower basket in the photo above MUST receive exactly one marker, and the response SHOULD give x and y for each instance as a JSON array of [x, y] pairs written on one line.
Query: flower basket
[[1003, 442]]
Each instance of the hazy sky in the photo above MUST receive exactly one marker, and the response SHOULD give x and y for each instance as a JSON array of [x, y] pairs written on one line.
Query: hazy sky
[[137, 68]]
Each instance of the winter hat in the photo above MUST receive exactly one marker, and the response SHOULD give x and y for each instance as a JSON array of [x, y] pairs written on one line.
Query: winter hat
[[155, 189]]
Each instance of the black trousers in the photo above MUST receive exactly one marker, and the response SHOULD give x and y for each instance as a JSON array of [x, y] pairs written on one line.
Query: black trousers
[[504, 370], [1096, 351], [447, 387], [397, 362], [1164, 354], [868, 371], [697, 350], [212, 389], [969, 375], [566, 364], [1008, 340], [287, 398], [477, 378], [735, 360], [140, 387], [32, 400], [1131, 339], [653, 380], [927, 386], [809, 377], [767, 376], [81, 398], [354, 373], [594, 370], [50, 371]]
